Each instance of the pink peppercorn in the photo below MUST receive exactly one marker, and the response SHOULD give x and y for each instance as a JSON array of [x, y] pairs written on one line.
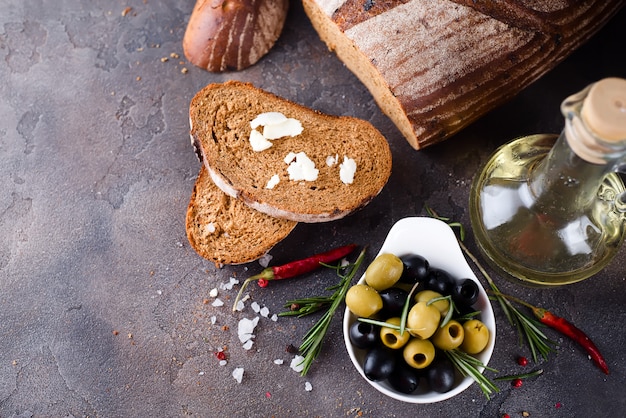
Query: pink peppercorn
[[517, 383], [522, 361]]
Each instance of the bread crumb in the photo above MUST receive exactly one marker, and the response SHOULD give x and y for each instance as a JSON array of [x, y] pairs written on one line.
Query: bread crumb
[[184, 70], [126, 11]]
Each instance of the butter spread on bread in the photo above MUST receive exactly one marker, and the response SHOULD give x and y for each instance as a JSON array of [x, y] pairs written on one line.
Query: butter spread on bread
[[436, 66], [220, 117]]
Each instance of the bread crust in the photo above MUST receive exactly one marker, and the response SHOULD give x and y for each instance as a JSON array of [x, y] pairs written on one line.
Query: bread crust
[[225, 230], [230, 35], [436, 66], [220, 117]]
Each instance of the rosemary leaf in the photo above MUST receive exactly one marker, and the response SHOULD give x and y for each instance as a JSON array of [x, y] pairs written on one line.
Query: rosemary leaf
[[468, 366], [313, 339], [528, 328]]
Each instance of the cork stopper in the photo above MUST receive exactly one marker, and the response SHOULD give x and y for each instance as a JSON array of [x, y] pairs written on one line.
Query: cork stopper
[[604, 109]]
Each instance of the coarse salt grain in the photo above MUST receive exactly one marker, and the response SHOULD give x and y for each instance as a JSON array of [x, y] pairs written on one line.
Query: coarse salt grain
[[223, 362], [255, 307], [217, 303], [238, 374], [308, 387], [274, 317], [213, 293], [245, 328], [213, 320], [264, 312], [264, 261], [240, 306], [279, 361], [248, 345], [297, 363]]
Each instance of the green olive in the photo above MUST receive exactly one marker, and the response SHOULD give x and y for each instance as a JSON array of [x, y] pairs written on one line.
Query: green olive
[[423, 320], [384, 271], [476, 336], [391, 337], [363, 301], [426, 295], [449, 337], [418, 353]]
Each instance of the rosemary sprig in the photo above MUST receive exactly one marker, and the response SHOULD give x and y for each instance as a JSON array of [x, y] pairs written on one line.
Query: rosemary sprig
[[469, 366], [306, 306], [313, 339], [528, 328], [520, 376]]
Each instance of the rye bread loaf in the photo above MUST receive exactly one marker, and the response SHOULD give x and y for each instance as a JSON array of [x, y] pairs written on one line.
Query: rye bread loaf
[[228, 35], [436, 66], [226, 231], [220, 119]]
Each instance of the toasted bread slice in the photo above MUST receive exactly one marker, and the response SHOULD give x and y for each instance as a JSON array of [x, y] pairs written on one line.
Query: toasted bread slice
[[220, 118], [226, 231]]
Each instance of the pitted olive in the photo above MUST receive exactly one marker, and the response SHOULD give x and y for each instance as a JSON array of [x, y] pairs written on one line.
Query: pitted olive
[[465, 293], [363, 335], [404, 379], [393, 301], [449, 337], [427, 295], [418, 353], [476, 336], [363, 300], [441, 375], [423, 320], [384, 271], [391, 337], [379, 363], [416, 268], [439, 280]]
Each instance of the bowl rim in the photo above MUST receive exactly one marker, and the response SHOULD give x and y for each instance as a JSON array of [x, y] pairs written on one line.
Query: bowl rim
[[427, 237]]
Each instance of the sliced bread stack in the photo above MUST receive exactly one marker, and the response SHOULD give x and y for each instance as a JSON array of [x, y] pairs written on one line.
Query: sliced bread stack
[[269, 163]]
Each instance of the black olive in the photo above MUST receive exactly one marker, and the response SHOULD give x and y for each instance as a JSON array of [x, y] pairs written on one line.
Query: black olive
[[379, 363], [465, 293], [363, 335], [441, 375], [394, 299], [415, 270], [439, 281], [404, 378]]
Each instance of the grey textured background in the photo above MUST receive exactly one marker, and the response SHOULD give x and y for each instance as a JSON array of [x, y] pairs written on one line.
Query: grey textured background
[[103, 307]]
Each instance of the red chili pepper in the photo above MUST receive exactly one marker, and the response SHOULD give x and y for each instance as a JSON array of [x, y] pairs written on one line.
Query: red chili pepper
[[566, 328], [296, 268]]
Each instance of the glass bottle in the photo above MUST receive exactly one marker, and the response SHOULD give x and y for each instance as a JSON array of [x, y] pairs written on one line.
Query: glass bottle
[[550, 210]]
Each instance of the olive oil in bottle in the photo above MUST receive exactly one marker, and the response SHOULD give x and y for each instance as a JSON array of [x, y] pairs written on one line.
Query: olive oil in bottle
[[550, 210]]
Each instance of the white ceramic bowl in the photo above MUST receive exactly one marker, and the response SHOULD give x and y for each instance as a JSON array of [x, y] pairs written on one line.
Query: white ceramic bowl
[[434, 240]]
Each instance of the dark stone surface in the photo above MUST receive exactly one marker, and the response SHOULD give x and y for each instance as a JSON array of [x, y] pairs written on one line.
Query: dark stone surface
[[102, 301]]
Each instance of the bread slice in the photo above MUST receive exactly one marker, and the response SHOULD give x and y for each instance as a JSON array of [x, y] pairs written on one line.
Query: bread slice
[[436, 66], [220, 118], [226, 231]]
